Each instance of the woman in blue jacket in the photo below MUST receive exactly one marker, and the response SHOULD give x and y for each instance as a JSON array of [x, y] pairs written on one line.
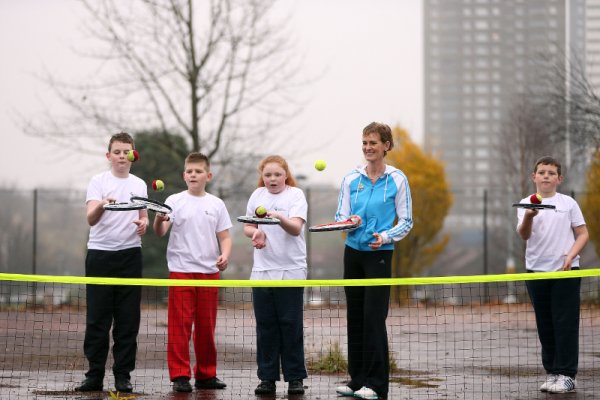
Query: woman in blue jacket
[[375, 195]]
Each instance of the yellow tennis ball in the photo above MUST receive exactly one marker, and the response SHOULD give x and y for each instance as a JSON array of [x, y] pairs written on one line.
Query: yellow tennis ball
[[158, 185], [535, 198], [133, 155], [320, 165], [260, 212]]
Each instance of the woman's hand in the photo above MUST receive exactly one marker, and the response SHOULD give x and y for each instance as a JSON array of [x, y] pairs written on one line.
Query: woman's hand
[[355, 219], [377, 243]]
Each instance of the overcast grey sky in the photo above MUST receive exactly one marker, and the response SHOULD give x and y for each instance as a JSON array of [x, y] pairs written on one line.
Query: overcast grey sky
[[370, 51]]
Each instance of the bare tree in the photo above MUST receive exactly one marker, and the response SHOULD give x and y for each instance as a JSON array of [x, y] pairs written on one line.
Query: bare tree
[[558, 114], [530, 130], [213, 72], [582, 102]]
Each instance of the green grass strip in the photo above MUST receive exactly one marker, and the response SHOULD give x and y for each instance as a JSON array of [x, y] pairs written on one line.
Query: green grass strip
[[438, 280]]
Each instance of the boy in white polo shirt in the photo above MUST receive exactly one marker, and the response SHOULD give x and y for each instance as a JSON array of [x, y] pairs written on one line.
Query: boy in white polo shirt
[[114, 250], [199, 247], [554, 241]]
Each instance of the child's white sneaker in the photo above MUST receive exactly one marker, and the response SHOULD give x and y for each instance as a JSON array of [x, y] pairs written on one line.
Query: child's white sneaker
[[366, 393], [563, 384], [550, 379]]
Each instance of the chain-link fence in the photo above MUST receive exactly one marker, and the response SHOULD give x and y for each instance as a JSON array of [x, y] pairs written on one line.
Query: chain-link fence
[[45, 232]]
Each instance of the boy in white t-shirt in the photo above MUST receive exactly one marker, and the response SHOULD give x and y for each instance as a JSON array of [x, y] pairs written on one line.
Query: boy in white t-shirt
[[554, 241], [199, 247], [114, 250]]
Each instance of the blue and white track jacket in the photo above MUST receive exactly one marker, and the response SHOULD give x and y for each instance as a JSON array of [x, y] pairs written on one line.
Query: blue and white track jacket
[[378, 205]]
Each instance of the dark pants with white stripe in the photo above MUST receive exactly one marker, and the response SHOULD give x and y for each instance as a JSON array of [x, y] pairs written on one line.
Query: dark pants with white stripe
[[108, 303], [367, 311], [556, 303], [279, 332]]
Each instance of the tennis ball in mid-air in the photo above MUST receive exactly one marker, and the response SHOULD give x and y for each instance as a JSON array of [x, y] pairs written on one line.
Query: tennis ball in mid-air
[[320, 165], [133, 155], [535, 198], [158, 185], [260, 212]]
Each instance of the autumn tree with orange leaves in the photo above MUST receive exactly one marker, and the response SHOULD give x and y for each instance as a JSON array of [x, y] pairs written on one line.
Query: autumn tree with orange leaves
[[590, 204], [431, 200]]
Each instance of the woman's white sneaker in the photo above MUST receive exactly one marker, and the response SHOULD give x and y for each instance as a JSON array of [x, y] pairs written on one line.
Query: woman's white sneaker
[[344, 391], [563, 384], [550, 379], [366, 393]]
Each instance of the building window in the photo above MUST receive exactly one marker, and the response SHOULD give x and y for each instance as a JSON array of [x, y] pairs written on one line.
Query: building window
[[481, 166], [481, 37], [481, 25], [482, 115], [481, 89], [482, 102], [482, 76], [481, 11]]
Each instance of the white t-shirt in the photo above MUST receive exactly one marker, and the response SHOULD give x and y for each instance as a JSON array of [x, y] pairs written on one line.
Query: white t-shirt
[[193, 245], [115, 230], [283, 252], [552, 233]]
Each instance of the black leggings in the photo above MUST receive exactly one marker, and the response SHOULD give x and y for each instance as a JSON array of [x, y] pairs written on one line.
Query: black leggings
[[367, 310]]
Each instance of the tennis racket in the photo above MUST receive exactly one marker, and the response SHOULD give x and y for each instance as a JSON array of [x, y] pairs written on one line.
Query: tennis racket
[[152, 205], [123, 206], [259, 221], [334, 226], [535, 206]]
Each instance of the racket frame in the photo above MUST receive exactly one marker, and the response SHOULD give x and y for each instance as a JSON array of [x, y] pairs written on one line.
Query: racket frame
[[152, 205], [246, 219], [123, 206], [334, 226], [535, 206]]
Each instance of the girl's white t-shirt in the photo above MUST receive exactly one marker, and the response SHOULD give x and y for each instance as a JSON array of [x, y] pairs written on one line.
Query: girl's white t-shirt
[[552, 233], [283, 252], [115, 230], [193, 245]]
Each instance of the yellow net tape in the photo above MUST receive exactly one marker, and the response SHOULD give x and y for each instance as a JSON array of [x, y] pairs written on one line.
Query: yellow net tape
[[439, 280]]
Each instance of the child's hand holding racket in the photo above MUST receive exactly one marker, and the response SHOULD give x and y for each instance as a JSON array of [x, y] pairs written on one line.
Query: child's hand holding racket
[[531, 212], [160, 217]]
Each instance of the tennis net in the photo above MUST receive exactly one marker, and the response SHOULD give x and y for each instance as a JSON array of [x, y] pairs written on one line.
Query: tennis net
[[462, 337]]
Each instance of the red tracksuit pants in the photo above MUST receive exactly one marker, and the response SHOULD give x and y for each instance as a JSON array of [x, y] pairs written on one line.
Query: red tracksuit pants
[[195, 306]]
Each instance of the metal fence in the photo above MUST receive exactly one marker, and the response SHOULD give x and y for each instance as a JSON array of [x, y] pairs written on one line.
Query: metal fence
[[45, 232]]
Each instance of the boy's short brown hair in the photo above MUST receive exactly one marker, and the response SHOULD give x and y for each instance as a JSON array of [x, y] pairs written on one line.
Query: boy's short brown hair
[[122, 137], [547, 160], [196, 157]]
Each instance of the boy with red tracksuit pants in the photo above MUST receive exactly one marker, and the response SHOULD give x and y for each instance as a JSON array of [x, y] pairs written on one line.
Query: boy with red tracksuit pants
[[199, 248]]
